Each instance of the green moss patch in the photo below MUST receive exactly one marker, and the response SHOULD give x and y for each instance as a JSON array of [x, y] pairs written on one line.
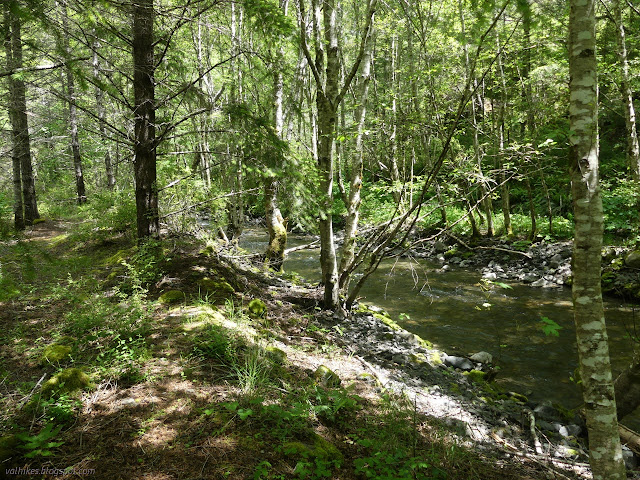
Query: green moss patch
[[257, 308], [326, 377], [172, 296], [317, 449], [66, 381], [476, 376], [55, 353], [276, 355], [215, 287]]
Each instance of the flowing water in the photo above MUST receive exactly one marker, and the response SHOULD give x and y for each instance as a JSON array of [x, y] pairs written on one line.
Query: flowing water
[[452, 310]]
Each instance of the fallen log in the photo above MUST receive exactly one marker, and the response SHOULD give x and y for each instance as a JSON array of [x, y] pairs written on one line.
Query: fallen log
[[630, 438]]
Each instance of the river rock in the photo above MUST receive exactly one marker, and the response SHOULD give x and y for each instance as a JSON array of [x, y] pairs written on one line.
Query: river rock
[[489, 275], [633, 259], [458, 362], [545, 411], [440, 247], [556, 260], [630, 458], [482, 357]]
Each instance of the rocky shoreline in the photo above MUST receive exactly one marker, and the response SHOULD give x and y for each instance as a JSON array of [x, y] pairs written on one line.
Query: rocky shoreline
[[458, 391], [541, 264]]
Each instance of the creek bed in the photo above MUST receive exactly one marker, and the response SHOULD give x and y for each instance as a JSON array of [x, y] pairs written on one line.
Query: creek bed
[[451, 309]]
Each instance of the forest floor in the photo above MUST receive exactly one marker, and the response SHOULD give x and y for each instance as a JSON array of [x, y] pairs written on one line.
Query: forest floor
[[106, 375]]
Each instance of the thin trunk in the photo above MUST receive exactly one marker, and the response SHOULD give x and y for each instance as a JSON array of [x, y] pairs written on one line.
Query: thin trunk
[[101, 113], [504, 189], [355, 185], [73, 112], [145, 120], [393, 138], [274, 256], [326, 72], [532, 210], [476, 103], [633, 148], [527, 92], [605, 452]]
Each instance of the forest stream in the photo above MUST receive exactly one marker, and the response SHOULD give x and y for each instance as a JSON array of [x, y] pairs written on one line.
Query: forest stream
[[449, 309]]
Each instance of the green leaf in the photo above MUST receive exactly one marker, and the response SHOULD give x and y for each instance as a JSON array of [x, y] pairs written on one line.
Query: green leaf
[[549, 327]]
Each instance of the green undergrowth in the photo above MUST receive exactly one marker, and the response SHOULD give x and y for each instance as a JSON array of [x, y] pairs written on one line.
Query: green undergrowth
[[92, 349]]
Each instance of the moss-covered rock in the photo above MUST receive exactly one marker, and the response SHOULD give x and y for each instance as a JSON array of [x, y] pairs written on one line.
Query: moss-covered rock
[[435, 358], [55, 353], [326, 377], [8, 447], [118, 257], [388, 321], [317, 449], [172, 296], [275, 354], [632, 260], [38, 220], [207, 251], [476, 376], [256, 308], [66, 381], [215, 287], [518, 397]]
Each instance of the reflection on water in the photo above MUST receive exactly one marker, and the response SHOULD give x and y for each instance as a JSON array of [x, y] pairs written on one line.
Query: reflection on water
[[451, 310]]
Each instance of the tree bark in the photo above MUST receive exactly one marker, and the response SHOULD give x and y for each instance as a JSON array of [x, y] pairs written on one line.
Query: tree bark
[[101, 113], [326, 72], [274, 256], [633, 148], [25, 204], [504, 189], [593, 349], [145, 120], [477, 151], [73, 112], [355, 185]]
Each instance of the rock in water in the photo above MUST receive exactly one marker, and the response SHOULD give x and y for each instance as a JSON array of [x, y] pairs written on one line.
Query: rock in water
[[459, 362], [482, 357]]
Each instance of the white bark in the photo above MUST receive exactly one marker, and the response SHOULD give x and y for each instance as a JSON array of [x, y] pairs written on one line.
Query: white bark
[[593, 349]]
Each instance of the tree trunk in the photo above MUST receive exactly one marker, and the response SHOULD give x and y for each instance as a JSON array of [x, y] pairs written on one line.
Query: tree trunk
[[504, 188], [633, 148], [326, 72], [477, 151], [101, 113], [145, 120], [25, 207], [593, 349], [532, 209], [73, 113], [274, 256], [355, 184]]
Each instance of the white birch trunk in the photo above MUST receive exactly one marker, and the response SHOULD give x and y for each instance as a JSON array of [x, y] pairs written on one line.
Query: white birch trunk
[[593, 349]]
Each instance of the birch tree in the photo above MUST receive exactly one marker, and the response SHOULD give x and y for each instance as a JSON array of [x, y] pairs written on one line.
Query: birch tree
[[325, 68], [633, 148], [593, 350]]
